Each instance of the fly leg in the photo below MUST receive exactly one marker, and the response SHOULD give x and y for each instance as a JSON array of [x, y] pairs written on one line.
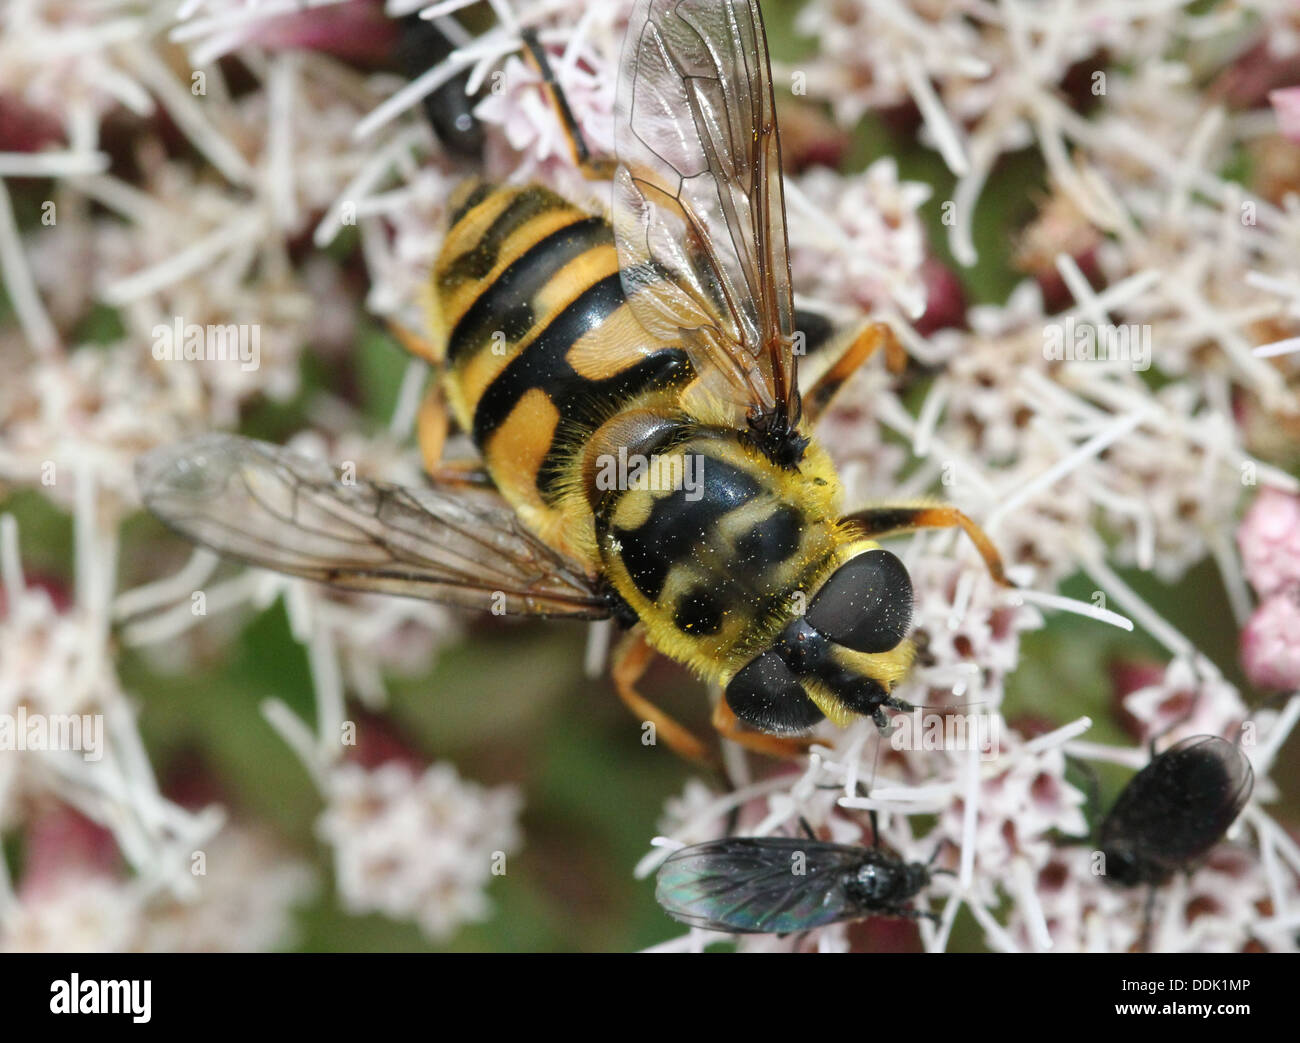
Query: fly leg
[[630, 661], [591, 168], [889, 519], [729, 727], [432, 422], [871, 339]]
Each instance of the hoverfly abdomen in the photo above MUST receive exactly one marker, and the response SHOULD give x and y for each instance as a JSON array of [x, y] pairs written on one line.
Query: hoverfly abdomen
[[538, 343]]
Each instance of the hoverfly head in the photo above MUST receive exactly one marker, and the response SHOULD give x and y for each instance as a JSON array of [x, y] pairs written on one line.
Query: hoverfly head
[[837, 659]]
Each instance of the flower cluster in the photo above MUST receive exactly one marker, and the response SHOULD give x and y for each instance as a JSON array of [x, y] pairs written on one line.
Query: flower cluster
[[417, 846]]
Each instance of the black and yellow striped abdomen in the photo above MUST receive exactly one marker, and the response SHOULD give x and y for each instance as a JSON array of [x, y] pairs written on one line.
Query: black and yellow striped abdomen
[[539, 345]]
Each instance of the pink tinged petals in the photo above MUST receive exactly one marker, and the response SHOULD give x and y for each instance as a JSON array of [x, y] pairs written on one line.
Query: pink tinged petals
[[945, 300], [1286, 104], [1269, 540], [63, 842], [1270, 643], [356, 31], [25, 129]]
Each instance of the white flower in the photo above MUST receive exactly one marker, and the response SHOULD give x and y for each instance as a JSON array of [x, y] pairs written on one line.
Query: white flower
[[419, 847], [857, 241]]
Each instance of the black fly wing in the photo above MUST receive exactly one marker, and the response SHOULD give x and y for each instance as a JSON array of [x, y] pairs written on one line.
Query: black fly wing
[[753, 885], [279, 510], [1180, 805]]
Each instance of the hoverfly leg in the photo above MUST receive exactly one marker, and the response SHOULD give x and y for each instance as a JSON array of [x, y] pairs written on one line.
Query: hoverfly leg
[[869, 340], [415, 343], [875, 828], [630, 661], [591, 168], [431, 421], [729, 727], [807, 829], [431, 426], [874, 522]]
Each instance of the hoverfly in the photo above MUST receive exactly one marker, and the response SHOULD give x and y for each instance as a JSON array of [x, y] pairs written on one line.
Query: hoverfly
[[587, 354], [779, 885]]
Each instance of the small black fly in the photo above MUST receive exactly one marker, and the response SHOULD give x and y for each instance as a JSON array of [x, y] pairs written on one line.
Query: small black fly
[[780, 885]]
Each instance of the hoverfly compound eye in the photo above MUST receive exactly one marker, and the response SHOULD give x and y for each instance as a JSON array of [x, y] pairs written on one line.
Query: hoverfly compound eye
[[866, 605], [767, 695]]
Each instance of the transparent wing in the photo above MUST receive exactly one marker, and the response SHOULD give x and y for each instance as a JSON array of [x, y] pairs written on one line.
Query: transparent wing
[[699, 214], [278, 510], [1180, 805], [751, 885]]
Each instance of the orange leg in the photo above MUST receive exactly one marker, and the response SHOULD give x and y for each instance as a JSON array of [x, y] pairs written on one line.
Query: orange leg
[[630, 661], [591, 168], [729, 727], [873, 338], [416, 344], [889, 520], [431, 425], [431, 428]]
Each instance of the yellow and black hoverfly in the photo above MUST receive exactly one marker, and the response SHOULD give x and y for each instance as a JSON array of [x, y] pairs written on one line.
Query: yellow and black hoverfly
[[630, 381]]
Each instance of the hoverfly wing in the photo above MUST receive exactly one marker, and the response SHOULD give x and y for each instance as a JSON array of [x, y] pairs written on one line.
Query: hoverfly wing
[[699, 210], [750, 885], [278, 510], [1180, 805]]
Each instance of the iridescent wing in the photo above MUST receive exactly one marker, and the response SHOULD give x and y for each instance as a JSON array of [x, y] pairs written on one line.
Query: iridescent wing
[[699, 213], [1180, 805], [279, 510], [750, 885]]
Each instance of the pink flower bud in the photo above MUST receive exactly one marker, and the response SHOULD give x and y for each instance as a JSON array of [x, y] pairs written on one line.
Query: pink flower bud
[[1286, 104], [1269, 540], [1270, 643]]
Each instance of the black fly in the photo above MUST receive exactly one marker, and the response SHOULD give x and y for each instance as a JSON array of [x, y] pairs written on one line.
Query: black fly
[[1174, 810], [1171, 813], [751, 885]]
